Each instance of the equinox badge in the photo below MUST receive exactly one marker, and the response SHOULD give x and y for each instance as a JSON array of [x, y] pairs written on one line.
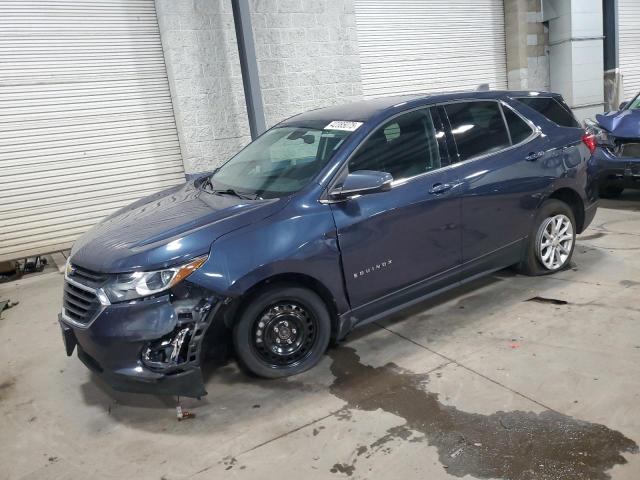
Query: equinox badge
[[372, 268]]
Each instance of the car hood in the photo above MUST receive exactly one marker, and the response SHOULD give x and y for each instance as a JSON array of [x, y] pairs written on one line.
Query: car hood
[[623, 124], [165, 229]]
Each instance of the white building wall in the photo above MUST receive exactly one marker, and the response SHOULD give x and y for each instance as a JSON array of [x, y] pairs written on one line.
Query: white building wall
[[576, 57]]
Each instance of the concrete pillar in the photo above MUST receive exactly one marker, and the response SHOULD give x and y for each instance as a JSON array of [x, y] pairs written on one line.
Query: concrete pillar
[[576, 53], [527, 45], [515, 25]]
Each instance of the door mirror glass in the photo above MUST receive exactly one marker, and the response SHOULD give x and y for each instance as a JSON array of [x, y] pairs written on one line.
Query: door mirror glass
[[622, 105], [362, 182]]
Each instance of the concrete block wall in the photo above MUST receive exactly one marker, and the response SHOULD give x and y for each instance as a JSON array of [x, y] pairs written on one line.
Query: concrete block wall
[[537, 48], [201, 55], [307, 58], [307, 53]]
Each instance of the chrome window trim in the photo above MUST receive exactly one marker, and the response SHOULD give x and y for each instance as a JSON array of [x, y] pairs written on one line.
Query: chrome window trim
[[100, 296], [535, 133]]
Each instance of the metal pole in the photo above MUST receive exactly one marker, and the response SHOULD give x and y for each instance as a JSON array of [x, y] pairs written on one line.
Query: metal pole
[[249, 67]]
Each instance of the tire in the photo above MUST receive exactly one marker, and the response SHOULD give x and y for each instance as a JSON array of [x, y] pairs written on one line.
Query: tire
[[283, 331], [611, 192], [552, 212]]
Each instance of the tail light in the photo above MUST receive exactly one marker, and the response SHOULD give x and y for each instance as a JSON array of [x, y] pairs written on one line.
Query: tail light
[[589, 139]]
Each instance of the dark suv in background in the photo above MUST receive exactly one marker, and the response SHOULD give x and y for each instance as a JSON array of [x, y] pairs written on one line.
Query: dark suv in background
[[618, 153], [329, 220]]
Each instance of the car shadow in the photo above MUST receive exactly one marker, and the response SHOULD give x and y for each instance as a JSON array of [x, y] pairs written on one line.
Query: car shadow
[[629, 200]]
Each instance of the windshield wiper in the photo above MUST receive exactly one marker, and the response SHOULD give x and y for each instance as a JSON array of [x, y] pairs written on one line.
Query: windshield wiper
[[231, 191], [207, 185]]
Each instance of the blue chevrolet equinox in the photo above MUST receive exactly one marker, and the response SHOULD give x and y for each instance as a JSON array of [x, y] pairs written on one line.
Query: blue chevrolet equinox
[[331, 219]]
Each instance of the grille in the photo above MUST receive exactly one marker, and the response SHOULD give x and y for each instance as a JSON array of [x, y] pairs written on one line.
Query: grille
[[80, 305], [87, 277]]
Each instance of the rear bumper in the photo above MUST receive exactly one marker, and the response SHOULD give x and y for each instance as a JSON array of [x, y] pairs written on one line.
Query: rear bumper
[[115, 345]]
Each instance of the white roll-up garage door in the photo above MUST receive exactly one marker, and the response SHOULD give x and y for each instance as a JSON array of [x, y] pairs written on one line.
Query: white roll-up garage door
[[410, 46], [86, 121], [629, 45]]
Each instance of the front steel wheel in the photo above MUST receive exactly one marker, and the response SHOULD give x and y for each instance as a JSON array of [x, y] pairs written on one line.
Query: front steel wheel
[[284, 334], [555, 242], [282, 331]]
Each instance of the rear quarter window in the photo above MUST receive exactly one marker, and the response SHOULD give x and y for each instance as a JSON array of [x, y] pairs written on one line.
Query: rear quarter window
[[518, 128], [552, 109]]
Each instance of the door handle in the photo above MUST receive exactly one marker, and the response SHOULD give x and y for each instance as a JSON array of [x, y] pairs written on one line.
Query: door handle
[[438, 188], [533, 156]]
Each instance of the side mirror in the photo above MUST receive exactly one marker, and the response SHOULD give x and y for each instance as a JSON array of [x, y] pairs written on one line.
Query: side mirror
[[622, 105], [362, 182]]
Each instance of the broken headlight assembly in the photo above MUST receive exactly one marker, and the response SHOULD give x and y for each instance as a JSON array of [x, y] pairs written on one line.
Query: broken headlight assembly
[[170, 350], [601, 135], [136, 285]]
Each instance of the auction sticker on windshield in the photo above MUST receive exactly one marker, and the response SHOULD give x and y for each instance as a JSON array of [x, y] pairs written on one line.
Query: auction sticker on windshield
[[343, 125]]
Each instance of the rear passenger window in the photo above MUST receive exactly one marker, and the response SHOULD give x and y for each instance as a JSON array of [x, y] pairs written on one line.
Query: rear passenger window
[[552, 109], [477, 127], [518, 128]]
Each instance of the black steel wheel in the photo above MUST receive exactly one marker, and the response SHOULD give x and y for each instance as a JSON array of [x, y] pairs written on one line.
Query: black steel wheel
[[283, 331], [284, 334]]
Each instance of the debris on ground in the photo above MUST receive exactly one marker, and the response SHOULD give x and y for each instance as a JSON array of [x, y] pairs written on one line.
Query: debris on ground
[[182, 414], [6, 305], [9, 271], [15, 269], [34, 264]]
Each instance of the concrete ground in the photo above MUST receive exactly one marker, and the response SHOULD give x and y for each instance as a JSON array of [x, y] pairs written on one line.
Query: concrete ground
[[509, 377]]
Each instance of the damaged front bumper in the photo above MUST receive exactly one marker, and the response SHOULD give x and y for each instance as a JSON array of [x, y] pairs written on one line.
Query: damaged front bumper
[[153, 345], [619, 166]]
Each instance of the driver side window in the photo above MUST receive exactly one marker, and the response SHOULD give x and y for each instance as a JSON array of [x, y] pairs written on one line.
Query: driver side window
[[405, 146]]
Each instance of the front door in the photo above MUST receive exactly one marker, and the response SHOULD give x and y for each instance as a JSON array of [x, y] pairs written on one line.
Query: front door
[[391, 241]]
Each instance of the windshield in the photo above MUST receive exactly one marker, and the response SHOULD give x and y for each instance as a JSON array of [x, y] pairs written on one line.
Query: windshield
[[279, 163], [635, 103]]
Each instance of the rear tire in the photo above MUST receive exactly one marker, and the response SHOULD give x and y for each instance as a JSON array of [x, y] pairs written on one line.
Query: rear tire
[[283, 331], [611, 192], [551, 241]]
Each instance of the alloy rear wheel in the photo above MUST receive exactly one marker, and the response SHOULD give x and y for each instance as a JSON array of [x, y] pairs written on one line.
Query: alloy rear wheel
[[555, 242], [552, 239]]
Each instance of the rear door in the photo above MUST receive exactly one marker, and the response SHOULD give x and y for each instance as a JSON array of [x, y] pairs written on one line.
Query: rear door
[[393, 240], [500, 172]]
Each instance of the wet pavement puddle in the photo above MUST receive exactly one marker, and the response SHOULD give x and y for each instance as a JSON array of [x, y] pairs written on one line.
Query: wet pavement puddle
[[510, 445]]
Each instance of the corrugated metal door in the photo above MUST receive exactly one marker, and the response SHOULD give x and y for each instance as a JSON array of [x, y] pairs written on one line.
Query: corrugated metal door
[[629, 45], [86, 121], [409, 46]]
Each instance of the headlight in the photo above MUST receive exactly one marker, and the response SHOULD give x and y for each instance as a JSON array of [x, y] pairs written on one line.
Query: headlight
[[602, 136], [130, 286], [68, 269]]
